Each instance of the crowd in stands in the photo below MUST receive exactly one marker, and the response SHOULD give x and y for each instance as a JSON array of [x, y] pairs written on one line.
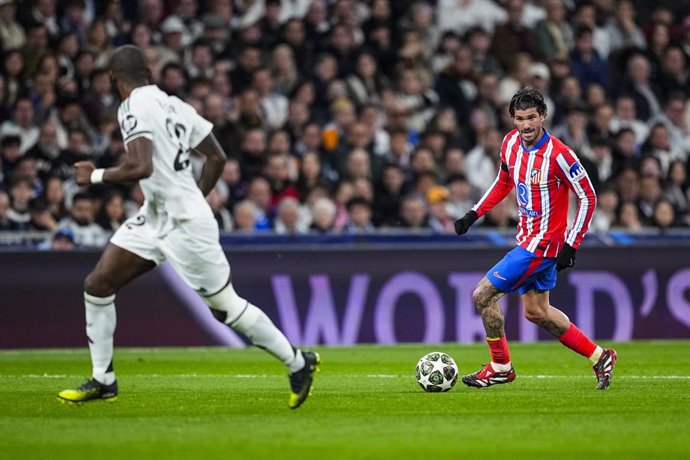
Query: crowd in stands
[[348, 116]]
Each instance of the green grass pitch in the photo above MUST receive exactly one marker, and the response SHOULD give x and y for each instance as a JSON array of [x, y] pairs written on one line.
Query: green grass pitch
[[223, 403]]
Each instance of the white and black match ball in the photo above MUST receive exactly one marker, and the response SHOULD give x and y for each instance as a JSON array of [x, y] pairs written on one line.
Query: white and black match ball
[[436, 372]]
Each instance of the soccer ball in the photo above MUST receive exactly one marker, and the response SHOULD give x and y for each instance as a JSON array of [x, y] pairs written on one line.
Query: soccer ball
[[436, 372]]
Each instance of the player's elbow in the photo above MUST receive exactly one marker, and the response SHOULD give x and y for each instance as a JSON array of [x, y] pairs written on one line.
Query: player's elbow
[[144, 170]]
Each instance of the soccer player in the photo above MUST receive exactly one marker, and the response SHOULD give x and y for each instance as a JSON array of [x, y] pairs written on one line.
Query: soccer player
[[543, 170], [175, 224]]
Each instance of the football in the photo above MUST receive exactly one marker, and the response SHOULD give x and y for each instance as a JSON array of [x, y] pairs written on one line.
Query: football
[[436, 372]]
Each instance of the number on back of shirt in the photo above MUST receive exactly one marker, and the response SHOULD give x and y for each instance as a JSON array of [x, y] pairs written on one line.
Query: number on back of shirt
[[177, 132]]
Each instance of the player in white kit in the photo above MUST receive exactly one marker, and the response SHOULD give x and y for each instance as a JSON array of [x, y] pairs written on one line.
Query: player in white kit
[[175, 224]]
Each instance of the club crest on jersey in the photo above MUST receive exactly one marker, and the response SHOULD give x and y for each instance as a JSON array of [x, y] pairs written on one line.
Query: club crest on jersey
[[129, 123], [535, 176], [576, 171]]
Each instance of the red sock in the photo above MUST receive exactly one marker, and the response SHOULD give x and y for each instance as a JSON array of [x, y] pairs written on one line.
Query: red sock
[[577, 341], [499, 350]]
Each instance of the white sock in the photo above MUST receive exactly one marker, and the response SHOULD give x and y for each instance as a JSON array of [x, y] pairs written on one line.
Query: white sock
[[261, 331], [501, 367], [100, 327], [596, 355]]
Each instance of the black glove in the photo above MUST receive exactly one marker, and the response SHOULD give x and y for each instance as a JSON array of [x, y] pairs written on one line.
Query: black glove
[[463, 224], [565, 258]]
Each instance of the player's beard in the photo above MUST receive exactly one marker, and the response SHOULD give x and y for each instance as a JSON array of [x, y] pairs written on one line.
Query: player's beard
[[531, 136]]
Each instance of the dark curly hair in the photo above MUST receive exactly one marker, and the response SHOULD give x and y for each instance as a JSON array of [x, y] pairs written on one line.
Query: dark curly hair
[[526, 98]]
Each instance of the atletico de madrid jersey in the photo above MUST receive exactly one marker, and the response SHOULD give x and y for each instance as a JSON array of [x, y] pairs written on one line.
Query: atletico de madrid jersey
[[542, 176]]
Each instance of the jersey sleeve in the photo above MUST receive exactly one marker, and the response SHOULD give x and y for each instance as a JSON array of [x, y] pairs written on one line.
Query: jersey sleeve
[[201, 128], [573, 174], [500, 188], [132, 116]]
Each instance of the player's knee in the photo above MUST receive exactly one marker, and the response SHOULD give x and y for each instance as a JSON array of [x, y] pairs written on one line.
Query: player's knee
[[535, 315], [97, 286], [220, 315], [226, 306], [480, 299]]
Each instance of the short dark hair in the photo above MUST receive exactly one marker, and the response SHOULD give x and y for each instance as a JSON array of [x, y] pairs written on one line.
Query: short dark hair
[[79, 196], [129, 64], [357, 201], [11, 140], [527, 98]]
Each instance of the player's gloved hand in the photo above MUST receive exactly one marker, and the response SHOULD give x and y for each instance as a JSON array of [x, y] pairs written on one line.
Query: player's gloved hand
[[565, 258], [463, 224]]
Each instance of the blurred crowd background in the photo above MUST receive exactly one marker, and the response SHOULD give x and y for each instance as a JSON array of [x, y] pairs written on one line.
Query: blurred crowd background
[[346, 116]]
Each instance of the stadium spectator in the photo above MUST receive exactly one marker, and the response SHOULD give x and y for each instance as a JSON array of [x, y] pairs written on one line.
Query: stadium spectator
[[54, 196], [5, 222], [81, 221], [461, 16], [628, 218], [622, 30], [20, 192], [483, 160], [259, 193], [664, 215], [111, 214], [12, 34], [41, 218], [605, 214], [244, 217], [414, 212], [10, 154], [440, 220], [677, 186], [63, 240], [585, 62], [625, 118], [359, 216], [514, 37], [323, 216], [289, 219], [674, 119], [22, 124], [673, 74]]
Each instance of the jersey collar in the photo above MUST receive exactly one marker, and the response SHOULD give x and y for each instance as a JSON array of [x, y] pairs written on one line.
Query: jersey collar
[[544, 138]]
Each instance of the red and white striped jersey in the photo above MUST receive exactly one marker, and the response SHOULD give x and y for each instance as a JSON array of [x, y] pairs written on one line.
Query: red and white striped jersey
[[542, 176]]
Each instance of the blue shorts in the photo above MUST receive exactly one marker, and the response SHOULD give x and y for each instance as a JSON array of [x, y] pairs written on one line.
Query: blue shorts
[[521, 271]]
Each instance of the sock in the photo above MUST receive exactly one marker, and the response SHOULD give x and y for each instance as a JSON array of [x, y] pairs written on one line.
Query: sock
[[500, 356], [100, 327], [261, 331], [577, 341], [594, 357]]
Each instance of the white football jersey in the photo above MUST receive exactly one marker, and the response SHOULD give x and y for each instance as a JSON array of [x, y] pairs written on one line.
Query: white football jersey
[[174, 127]]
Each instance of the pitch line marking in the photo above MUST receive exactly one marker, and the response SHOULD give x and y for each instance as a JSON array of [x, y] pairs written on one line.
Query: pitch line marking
[[375, 376]]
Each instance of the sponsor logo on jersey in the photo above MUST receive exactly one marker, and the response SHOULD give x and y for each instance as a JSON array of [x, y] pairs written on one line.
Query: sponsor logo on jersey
[[528, 212], [535, 176], [576, 171], [523, 194]]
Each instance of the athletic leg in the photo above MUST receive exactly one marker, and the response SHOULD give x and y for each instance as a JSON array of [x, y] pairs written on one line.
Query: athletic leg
[[538, 310], [238, 313], [193, 250], [499, 370], [115, 269]]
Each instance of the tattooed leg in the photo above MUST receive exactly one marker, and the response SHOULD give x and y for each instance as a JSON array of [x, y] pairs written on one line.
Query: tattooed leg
[[485, 298], [540, 312]]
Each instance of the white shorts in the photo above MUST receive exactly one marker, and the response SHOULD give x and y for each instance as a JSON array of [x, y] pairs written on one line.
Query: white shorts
[[191, 247]]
